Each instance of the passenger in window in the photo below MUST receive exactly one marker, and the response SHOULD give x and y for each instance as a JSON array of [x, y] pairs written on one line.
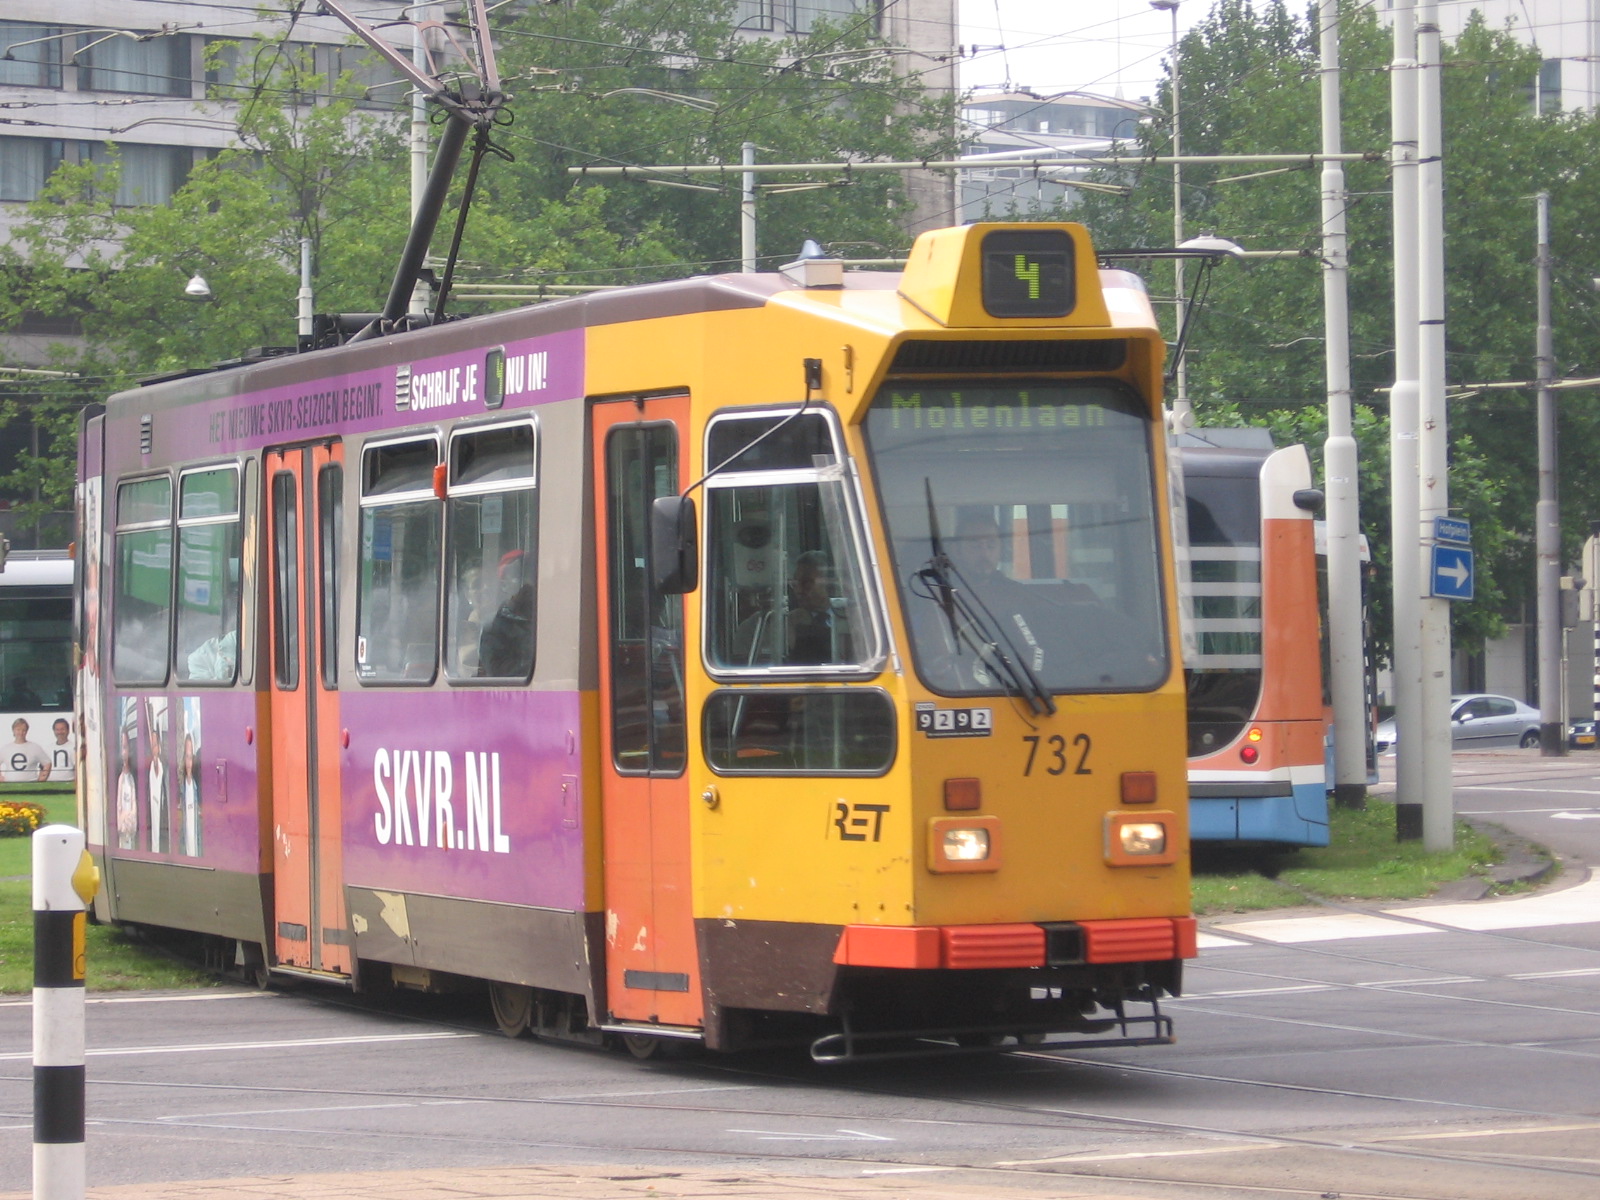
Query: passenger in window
[[506, 648], [810, 618], [975, 553], [216, 657], [470, 606]]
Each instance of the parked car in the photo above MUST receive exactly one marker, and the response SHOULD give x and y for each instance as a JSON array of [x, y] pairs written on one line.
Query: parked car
[[1581, 735], [1478, 719]]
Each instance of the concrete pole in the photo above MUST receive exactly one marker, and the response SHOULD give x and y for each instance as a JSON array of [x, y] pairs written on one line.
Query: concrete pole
[[1406, 560], [419, 144], [64, 881], [305, 302], [1547, 517], [1182, 412], [747, 209], [1433, 445], [1346, 660]]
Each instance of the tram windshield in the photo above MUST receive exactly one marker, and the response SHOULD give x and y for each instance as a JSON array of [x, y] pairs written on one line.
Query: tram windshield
[[35, 650], [1034, 502], [1223, 494]]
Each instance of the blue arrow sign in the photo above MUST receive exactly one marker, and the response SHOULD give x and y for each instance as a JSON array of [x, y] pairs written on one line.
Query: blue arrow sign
[[1452, 572], [1452, 529]]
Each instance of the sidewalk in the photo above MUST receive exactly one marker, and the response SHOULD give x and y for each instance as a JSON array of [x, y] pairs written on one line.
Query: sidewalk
[[596, 1183]]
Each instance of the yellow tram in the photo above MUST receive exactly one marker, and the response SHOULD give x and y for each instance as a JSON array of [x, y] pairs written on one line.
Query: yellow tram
[[756, 659]]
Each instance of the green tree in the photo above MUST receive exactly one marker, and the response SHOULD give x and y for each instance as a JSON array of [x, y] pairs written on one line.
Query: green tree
[[593, 84], [1250, 84], [314, 161]]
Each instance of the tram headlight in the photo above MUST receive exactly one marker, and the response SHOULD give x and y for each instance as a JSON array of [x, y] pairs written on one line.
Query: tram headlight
[[964, 844], [1148, 837], [1141, 839]]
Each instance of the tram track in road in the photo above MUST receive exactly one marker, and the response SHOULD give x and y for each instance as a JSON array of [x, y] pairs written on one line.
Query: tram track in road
[[1221, 1148], [1043, 1171]]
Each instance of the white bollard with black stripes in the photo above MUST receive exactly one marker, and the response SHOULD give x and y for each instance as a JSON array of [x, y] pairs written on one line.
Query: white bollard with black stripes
[[64, 882]]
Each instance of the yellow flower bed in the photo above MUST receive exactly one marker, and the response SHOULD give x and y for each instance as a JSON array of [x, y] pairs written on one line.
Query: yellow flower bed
[[19, 818]]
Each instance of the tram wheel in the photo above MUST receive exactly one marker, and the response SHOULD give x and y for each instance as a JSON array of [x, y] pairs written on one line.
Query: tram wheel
[[643, 1046], [659, 1049], [513, 1007]]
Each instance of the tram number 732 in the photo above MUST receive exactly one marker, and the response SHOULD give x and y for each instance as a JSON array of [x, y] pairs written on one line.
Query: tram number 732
[[1057, 757]]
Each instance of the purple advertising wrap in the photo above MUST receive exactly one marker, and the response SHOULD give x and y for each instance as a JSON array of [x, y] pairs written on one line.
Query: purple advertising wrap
[[486, 805], [184, 782], [534, 371]]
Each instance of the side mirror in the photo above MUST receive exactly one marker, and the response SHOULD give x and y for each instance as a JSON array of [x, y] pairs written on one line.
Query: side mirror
[[674, 546], [1308, 499]]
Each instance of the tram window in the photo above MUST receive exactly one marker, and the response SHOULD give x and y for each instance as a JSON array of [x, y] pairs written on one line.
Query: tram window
[[797, 443], [491, 539], [397, 600], [142, 628], [785, 587], [286, 579], [787, 731], [330, 528], [647, 706], [250, 615], [208, 576]]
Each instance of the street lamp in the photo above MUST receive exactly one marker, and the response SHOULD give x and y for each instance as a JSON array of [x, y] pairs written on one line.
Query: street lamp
[[1182, 415]]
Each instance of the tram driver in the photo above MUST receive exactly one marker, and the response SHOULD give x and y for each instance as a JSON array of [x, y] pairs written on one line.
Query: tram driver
[[505, 648]]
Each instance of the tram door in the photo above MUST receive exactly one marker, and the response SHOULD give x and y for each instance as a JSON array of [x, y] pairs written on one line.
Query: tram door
[[652, 969], [305, 486]]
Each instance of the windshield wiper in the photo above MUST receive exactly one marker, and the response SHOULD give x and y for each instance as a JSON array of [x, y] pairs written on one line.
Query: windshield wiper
[[969, 616], [937, 573]]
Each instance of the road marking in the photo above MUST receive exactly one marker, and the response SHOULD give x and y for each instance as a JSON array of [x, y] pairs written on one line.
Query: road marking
[[291, 1044], [184, 999], [843, 1135], [729, 1087], [1082, 1158], [273, 1112], [1556, 974], [906, 1170], [1378, 984], [1504, 787], [1476, 1133]]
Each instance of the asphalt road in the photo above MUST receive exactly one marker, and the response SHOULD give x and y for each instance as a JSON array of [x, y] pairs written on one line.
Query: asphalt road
[[1552, 801], [1423, 1051]]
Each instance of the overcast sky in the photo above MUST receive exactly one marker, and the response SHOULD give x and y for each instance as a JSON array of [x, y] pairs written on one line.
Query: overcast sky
[[1111, 47]]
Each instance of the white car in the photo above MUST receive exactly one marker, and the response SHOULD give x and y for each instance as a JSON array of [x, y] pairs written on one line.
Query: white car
[[1478, 719]]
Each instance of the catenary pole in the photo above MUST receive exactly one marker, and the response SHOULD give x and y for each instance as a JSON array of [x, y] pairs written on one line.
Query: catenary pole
[[1406, 561], [1346, 657], [1182, 412], [747, 208], [1547, 515], [1433, 442]]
